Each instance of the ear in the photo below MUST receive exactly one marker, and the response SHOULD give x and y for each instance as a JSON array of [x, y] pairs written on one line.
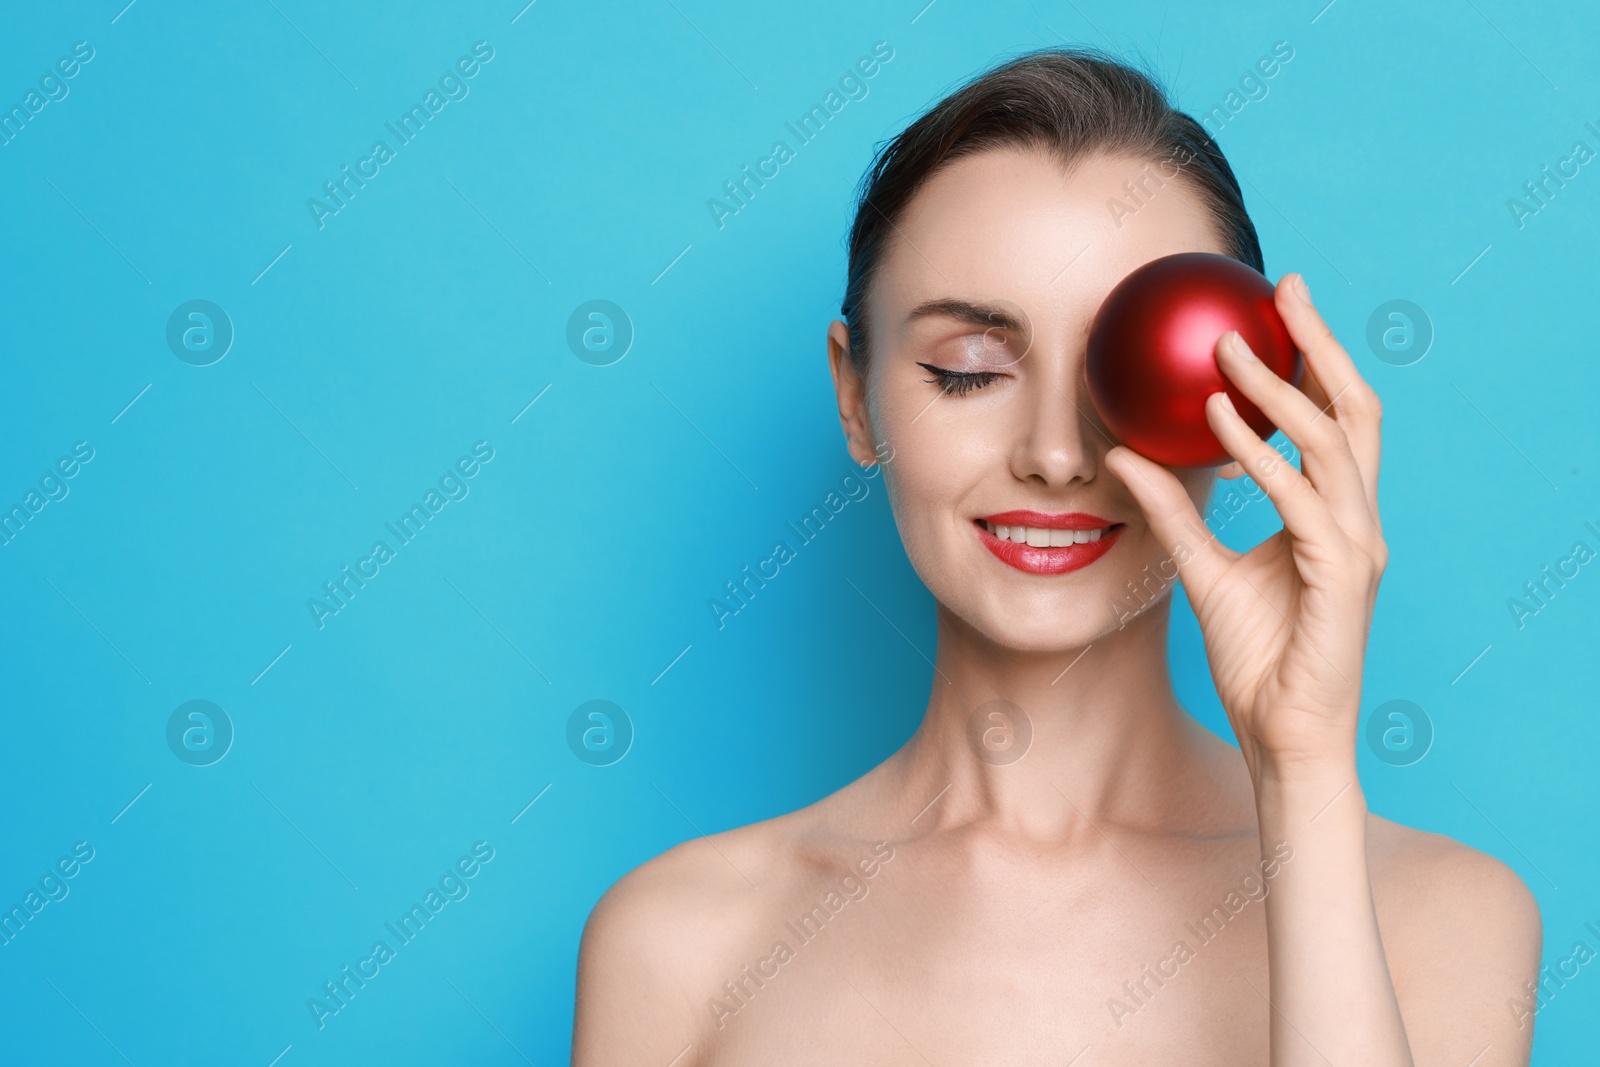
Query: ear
[[851, 388]]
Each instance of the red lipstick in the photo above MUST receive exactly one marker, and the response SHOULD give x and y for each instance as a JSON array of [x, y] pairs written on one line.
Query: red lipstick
[[1038, 559]]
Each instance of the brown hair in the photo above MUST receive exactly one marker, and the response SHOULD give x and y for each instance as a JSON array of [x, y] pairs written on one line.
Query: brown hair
[[1068, 101]]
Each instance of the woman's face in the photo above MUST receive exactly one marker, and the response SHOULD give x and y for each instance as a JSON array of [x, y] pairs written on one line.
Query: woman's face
[[997, 268]]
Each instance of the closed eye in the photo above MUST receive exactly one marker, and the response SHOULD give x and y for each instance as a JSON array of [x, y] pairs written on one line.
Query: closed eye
[[958, 383]]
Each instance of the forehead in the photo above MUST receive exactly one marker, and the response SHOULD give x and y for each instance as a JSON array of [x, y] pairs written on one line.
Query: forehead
[[1018, 224]]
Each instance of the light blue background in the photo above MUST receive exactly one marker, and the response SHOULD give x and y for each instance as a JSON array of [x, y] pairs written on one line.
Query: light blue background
[[431, 310]]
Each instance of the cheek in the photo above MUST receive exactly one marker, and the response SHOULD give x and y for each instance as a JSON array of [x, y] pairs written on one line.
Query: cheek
[[935, 466], [915, 499], [941, 454]]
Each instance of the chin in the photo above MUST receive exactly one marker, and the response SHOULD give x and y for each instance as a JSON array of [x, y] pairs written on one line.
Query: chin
[[1073, 633], [1048, 621]]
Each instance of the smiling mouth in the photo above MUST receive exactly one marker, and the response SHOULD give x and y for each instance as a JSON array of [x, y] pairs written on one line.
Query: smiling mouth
[[1040, 537], [1047, 550]]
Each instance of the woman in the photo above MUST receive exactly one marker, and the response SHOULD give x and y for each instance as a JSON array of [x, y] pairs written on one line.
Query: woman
[[1061, 866]]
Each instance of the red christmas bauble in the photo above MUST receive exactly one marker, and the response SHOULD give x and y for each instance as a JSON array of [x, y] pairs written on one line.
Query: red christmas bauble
[[1152, 353]]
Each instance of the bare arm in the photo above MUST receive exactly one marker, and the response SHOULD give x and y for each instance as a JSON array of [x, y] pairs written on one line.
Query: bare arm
[[1286, 629], [1331, 994], [1459, 948]]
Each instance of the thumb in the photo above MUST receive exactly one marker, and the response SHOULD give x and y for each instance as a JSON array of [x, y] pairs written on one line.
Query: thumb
[[1177, 526]]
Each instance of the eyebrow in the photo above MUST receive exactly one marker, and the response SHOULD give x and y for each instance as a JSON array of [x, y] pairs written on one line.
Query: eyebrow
[[967, 311]]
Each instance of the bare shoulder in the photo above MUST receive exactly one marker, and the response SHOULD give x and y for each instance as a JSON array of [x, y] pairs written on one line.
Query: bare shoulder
[[1463, 937], [662, 941], [654, 942], [1435, 884]]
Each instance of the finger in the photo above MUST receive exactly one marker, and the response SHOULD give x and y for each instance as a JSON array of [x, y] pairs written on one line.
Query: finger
[[1304, 512], [1327, 457], [1348, 396], [1314, 393], [1230, 470], [1171, 513]]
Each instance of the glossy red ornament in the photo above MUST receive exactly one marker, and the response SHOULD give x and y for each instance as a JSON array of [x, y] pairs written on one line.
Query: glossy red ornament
[[1152, 353]]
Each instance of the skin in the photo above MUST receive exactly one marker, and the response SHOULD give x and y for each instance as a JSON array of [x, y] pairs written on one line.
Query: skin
[[992, 913]]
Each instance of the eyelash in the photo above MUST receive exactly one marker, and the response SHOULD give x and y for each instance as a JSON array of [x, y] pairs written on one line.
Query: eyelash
[[958, 383]]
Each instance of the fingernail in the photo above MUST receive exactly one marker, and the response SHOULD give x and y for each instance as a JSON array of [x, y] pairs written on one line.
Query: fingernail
[[1239, 346], [1227, 402], [1301, 289]]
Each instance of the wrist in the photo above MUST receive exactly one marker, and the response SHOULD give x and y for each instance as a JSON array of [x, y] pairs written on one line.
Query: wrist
[[1310, 760], [1308, 791]]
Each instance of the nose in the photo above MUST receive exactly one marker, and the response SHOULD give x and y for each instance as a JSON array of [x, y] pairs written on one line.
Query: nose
[[1059, 437]]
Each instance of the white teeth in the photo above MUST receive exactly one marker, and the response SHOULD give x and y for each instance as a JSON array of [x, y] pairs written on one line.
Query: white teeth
[[1045, 538]]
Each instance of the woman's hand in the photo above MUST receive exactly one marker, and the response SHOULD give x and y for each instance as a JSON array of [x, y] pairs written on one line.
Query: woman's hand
[[1285, 623]]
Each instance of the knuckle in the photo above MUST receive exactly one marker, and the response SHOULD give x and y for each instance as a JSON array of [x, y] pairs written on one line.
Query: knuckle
[[1322, 334], [1369, 554], [1345, 554], [1365, 400], [1266, 464], [1328, 339], [1329, 436]]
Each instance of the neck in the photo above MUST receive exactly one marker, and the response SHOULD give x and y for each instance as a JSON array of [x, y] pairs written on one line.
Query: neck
[[1029, 743]]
